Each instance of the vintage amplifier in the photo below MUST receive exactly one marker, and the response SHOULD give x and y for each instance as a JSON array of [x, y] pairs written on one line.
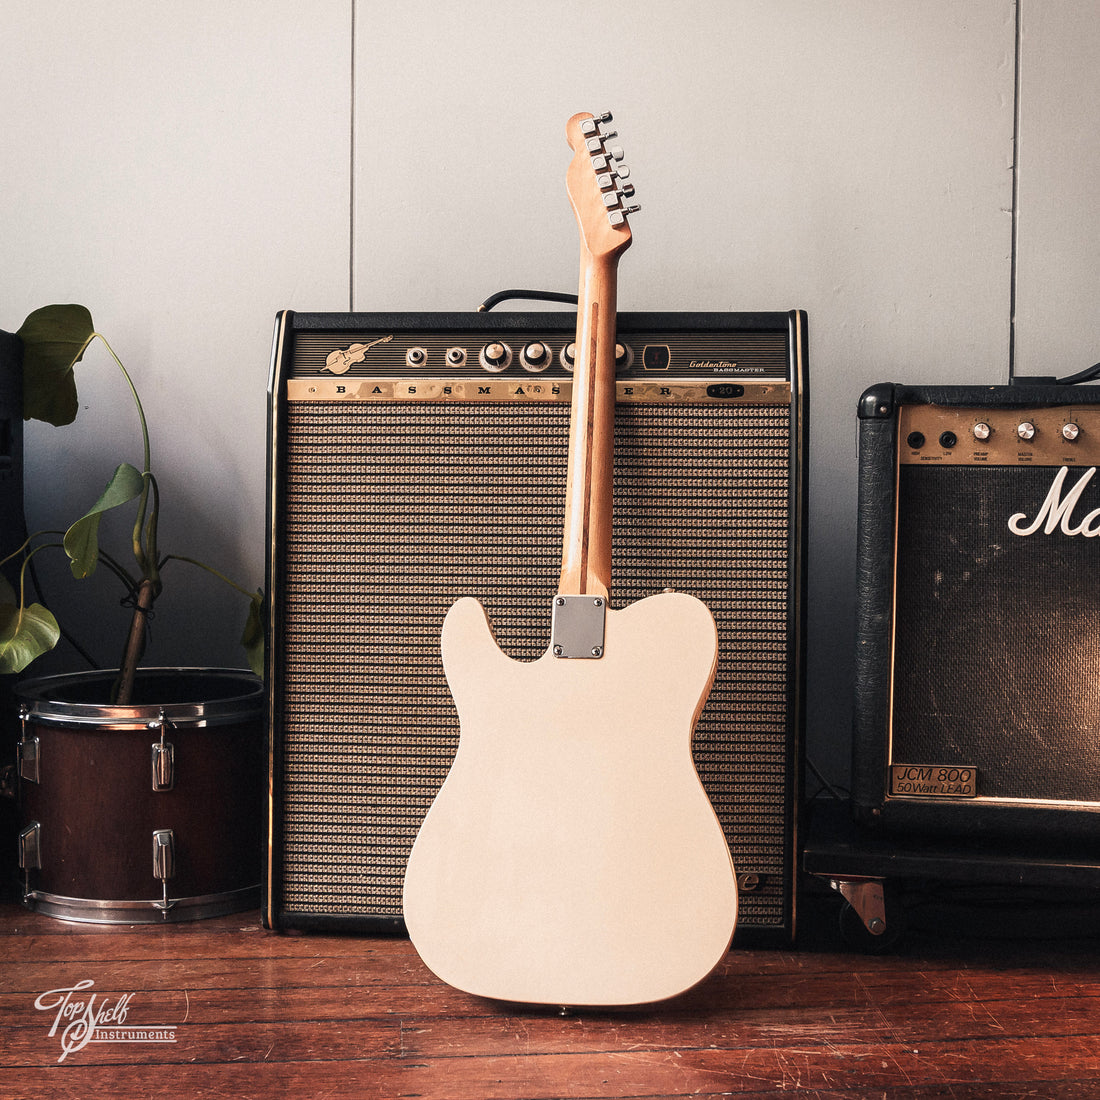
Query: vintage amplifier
[[417, 458], [978, 649]]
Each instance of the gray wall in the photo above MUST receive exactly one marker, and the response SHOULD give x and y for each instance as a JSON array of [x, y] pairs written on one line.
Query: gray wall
[[187, 170]]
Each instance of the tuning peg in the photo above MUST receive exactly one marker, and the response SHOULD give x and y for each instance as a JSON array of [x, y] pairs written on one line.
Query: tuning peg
[[627, 190], [616, 152], [591, 125]]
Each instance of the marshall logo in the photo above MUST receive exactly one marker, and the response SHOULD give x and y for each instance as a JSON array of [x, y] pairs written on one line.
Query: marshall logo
[[1057, 510]]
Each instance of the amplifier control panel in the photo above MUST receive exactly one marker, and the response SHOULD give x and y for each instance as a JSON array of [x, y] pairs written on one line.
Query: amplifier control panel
[[1060, 435], [529, 358]]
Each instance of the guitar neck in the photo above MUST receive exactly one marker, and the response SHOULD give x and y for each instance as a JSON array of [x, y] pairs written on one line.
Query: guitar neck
[[596, 190], [586, 548]]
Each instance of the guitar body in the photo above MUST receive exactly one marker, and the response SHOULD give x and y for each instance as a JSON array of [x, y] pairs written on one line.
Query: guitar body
[[572, 856]]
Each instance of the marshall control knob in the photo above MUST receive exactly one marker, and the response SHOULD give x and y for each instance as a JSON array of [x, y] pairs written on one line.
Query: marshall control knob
[[535, 356], [1026, 430], [982, 432], [495, 357], [1070, 431]]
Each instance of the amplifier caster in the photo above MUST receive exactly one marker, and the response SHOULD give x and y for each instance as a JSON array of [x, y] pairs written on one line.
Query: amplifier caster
[[870, 921]]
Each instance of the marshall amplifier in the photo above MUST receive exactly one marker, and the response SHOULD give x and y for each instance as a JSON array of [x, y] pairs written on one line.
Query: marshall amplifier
[[978, 663], [418, 458]]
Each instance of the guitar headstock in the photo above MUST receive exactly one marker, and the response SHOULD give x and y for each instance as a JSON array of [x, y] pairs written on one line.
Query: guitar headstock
[[597, 184]]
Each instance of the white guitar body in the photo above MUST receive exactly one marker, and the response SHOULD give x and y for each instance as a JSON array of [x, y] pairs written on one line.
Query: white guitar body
[[572, 856]]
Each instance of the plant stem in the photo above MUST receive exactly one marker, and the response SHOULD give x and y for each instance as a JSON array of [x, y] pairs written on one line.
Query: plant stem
[[211, 570], [145, 555], [135, 644]]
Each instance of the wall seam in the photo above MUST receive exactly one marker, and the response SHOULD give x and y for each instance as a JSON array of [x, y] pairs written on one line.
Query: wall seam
[[351, 164], [1013, 269]]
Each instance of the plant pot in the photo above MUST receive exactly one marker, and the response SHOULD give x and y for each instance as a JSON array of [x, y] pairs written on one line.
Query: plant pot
[[141, 813]]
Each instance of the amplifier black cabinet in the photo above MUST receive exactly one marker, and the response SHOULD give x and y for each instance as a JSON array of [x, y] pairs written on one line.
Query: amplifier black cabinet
[[12, 527], [978, 637], [417, 458]]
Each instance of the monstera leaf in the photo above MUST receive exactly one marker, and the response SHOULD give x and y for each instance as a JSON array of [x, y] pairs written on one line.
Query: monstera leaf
[[54, 339], [25, 633], [82, 538]]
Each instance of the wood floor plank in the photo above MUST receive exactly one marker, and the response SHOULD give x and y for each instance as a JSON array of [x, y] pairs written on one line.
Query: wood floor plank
[[256, 1013]]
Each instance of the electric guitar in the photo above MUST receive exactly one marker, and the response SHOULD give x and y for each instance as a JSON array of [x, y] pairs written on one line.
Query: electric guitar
[[572, 856]]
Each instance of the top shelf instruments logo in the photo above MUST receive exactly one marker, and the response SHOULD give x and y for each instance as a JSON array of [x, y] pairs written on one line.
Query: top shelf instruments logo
[[80, 1018]]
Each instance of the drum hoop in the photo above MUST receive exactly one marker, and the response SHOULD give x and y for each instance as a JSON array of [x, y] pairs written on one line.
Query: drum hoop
[[244, 702], [142, 911]]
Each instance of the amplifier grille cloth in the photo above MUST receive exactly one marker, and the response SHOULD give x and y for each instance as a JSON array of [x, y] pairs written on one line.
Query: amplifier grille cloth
[[393, 511]]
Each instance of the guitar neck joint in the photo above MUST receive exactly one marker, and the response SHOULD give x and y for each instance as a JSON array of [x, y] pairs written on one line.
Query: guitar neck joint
[[577, 627]]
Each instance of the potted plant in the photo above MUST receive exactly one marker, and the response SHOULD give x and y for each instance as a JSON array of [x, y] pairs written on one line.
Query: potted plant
[[116, 765]]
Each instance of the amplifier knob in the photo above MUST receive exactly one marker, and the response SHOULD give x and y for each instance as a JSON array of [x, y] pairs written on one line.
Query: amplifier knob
[[1070, 431], [982, 431], [624, 356], [495, 357], [1026, 430], [535, 356], [569, 355]]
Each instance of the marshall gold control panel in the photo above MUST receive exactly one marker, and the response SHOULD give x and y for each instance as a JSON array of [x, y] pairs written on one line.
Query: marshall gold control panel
[[1063, 435]]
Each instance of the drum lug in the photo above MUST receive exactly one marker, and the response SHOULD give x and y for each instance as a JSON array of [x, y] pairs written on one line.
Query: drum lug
[[30, 847], [27, 753], [164, 865], [164, 757], [164, 766]]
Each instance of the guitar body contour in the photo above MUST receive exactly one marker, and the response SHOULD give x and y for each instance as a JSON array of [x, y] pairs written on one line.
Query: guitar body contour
[[572, 856]]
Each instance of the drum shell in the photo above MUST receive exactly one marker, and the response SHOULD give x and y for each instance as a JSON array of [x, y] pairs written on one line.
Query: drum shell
[[97, 810]]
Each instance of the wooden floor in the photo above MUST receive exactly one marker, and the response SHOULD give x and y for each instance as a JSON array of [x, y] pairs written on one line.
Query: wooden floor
[[243, 1012]]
